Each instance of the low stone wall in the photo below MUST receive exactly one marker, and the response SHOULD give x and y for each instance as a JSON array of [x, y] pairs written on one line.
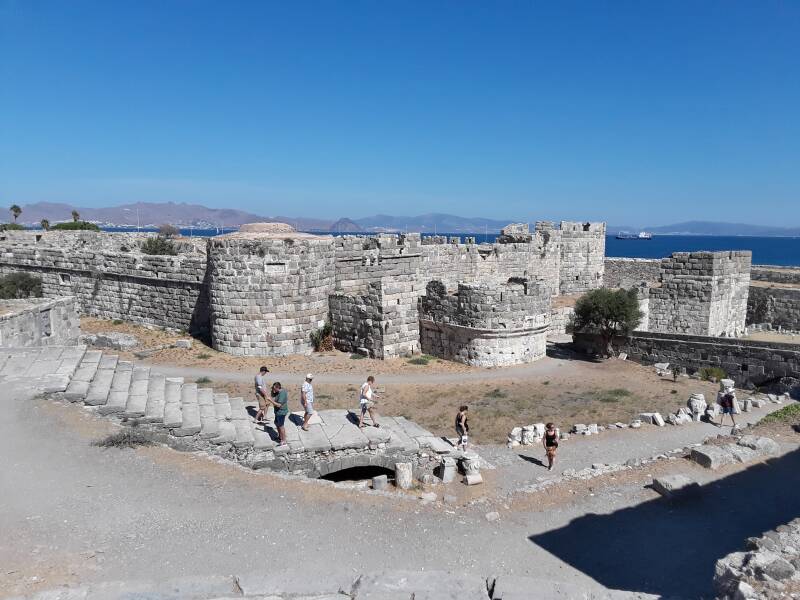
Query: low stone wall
[[560, 318], [775, 274], [749, 363], [38, 322], [631, 272], [777, 306]]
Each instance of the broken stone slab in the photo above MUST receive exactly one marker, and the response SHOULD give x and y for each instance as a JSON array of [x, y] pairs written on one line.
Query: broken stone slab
[[747, 406], [436, 444], [115, 341], [346, 436], [380, 482], [578, 428], [741, 454], [593, 429], [473, 479], [636, 424], [658, 420], [646, 417], [185, 343], [762, 445], [515, 435], [672, 486], [711, 457], [528, 435]]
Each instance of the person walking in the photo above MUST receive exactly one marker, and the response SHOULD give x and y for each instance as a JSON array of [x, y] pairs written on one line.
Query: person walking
[[726, 403], [462, 427], [550, 441], [366, 400], [280, 401], [307, 400], [261, 394]]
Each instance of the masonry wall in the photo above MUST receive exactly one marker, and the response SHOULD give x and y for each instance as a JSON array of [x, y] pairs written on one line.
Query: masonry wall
[[110, 278], [583, 250], [37, 322], [775, 274], [701, 293], [777, 306], [485, 325], [749, 363], [267, 294], [631, 272]]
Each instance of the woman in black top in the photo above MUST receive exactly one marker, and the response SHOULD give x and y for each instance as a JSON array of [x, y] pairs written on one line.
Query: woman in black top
[[550, 441], [462, 427]]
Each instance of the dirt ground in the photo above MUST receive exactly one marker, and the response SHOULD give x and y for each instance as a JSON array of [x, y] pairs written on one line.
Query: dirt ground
[[572, 391], [773, 336]]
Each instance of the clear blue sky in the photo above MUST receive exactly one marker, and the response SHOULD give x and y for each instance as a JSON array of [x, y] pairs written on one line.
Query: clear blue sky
[[631, 112]]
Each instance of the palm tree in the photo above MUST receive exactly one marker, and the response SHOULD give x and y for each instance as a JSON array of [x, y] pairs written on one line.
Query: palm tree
[[45, 224], [15, 210], [75, 216]]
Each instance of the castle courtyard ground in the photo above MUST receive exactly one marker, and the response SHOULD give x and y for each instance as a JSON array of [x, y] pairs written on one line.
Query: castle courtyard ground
[[73, 513], [563, 387]]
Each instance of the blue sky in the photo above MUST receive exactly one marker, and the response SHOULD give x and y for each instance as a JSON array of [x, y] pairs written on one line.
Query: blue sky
[[631, 112]]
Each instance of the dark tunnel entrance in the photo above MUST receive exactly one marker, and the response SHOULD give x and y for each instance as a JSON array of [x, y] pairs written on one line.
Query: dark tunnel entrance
[[358, 474]]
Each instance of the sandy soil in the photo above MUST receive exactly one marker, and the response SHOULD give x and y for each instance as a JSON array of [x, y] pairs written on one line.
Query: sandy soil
[[774, 337]]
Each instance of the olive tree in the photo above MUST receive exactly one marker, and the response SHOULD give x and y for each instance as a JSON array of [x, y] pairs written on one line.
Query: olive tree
[[607, 313]]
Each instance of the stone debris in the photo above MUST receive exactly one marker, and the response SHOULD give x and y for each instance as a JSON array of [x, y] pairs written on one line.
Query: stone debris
[[672, 486], [112, 340], [769, 564], [185, 344], [403, 476], [747, 448], [492, 516], [380, 482]]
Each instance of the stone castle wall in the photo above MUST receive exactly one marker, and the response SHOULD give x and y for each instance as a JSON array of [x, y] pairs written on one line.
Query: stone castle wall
[[486, 325], [775, 274], [631, 272], [583, 250], [38, 322], [780, 307], [749, 363], [267, 294], [110, 278], [701, 293]]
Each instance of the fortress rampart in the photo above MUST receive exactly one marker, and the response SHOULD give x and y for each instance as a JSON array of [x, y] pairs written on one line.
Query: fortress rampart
[[262, 291]]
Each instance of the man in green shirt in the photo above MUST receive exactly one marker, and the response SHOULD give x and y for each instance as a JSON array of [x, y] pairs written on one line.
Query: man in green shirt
[[280, 400]]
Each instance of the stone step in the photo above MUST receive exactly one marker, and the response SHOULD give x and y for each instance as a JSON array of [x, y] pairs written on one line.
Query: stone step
[[244, 434], [154, 408], [208, 415], [108, 361], [82, 378], [227, 433], [238, 411], [137, 393], [222, 407], [172, 402], [190, 412], [97, 394], [120, 384], [262, 439]]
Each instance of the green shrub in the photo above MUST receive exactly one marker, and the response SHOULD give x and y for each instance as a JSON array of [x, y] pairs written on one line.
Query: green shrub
[[20, 285], [203, 356], [321, 338], [11, 227], [117, 322], [789, 414], [203, 380], [159, 246], [418, 360], [607, 313], [709, 373], [75, 226], [356, 356]]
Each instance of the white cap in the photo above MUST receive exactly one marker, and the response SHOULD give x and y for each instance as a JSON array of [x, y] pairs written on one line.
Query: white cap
[[309, 376]]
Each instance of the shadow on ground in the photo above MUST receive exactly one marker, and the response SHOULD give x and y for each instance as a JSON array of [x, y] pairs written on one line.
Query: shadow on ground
[[669, 548]]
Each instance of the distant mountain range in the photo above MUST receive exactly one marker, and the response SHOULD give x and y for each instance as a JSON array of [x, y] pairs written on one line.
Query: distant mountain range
[[148, 214]]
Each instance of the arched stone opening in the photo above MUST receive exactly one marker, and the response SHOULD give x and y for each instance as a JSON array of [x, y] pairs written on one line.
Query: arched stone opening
[[358, 473], [365, 464]]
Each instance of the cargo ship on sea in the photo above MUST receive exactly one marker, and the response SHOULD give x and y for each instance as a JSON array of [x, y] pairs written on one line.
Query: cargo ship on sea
[[642, 235]]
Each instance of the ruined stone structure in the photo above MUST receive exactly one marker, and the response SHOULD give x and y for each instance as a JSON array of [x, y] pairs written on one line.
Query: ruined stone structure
[[486, 325], [38, 322], [264, 290]]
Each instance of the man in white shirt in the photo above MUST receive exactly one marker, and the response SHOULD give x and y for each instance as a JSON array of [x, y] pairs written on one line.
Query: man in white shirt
[[307, 400], [261, 395]]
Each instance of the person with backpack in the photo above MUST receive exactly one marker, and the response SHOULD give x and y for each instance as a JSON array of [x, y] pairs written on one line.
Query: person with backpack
[[550, 441], [727, 400], [462, 427], [366, 401]]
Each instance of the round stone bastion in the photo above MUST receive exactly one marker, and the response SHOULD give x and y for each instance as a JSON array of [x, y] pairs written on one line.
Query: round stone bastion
[[268, 289]]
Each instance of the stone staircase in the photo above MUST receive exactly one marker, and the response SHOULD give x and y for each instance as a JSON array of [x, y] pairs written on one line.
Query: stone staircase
[[189, 417], [117, 387]]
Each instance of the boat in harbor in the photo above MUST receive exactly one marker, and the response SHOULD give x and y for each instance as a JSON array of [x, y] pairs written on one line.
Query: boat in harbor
[[642, 235]]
